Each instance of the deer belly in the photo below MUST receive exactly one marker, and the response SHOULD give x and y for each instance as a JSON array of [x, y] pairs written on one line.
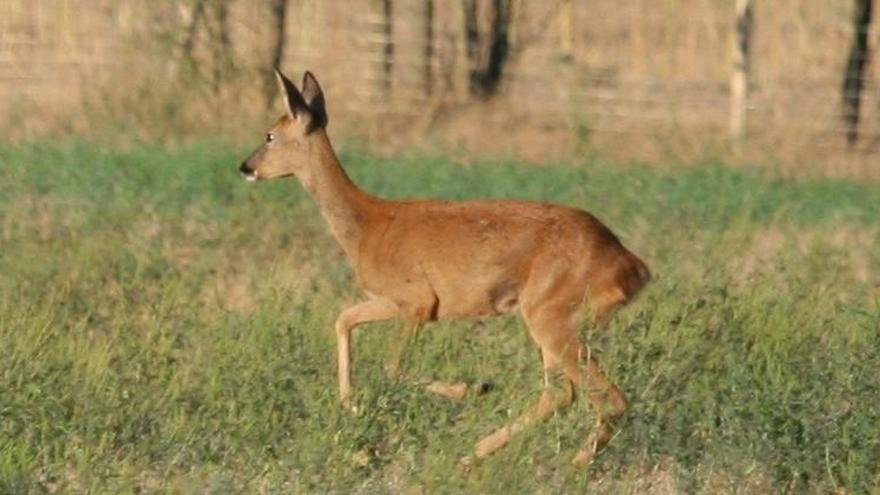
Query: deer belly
[[471, 298]]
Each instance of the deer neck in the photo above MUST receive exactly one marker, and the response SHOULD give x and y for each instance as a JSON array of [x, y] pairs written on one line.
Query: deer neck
[[343, 205]]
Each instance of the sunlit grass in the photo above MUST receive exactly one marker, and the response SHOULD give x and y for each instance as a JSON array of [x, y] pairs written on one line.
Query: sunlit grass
[[167, 327]]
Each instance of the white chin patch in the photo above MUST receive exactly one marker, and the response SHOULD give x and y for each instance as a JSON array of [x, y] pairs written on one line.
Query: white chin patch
[[250, 177]]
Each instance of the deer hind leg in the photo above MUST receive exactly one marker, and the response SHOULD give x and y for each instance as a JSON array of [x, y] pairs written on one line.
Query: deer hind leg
[[607, 401], [608, 404], [554, 332], [368, 311]]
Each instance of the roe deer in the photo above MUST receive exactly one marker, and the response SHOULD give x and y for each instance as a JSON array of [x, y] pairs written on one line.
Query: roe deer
[[425, 260]]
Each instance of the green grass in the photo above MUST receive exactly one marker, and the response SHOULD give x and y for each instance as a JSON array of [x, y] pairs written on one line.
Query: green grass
[[166, 327]]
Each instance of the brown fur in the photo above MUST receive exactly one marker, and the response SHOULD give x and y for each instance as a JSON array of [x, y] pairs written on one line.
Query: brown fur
[[425, 260]]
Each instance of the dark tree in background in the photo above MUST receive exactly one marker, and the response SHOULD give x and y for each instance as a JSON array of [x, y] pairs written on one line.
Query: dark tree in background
[[487, 28], [279, 22], [385, 11], [739, 77], [211, 18], [855, 68], [223, 62], [189, 42], [429, 47]]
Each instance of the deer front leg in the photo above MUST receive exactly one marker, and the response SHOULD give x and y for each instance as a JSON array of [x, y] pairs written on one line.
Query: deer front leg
[[368, 311], [458, 390], [415, 315], [399, 343], [417, 306]]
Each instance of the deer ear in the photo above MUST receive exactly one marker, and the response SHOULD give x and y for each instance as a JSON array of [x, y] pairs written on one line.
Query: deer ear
[[314, 98], [294, 103]]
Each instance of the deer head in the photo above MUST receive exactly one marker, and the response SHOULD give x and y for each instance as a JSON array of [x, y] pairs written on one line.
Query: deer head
[[290, 144]]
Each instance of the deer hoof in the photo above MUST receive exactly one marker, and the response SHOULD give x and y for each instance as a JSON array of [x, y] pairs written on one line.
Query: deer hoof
[[467, 463], [392, 370], [583, 458], [349, 406], [454, 391], [484, 387]]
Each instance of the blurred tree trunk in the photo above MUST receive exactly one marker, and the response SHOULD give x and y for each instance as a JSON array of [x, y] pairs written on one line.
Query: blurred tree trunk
[[471, 33], [388, 12], [212, 16], [189, 41], [853, 79], [279, 23], [739, 78], [429, 47], [566, 30], [221, 44], [487, 29], [385, 10]]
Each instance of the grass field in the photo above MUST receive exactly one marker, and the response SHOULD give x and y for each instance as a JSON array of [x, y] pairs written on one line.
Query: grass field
[[166, 327]]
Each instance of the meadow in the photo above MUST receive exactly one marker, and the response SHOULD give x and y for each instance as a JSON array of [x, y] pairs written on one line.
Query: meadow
[[167, 328]]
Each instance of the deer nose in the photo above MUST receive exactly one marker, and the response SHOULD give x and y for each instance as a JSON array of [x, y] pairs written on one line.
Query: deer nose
[[246, 172]]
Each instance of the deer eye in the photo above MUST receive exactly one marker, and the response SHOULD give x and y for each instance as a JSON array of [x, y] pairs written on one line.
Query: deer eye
[[270, 137]]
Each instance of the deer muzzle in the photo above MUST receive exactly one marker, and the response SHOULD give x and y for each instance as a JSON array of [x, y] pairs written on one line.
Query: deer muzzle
[[247, 173]]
